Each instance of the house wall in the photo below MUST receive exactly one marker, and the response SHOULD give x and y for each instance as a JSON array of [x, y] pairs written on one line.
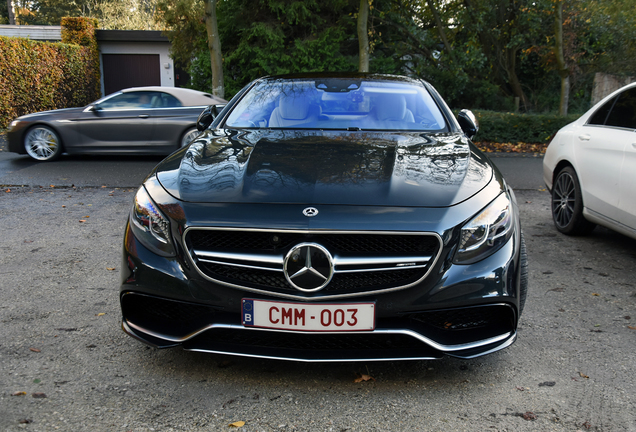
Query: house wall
[[161, 48], [42, 33]]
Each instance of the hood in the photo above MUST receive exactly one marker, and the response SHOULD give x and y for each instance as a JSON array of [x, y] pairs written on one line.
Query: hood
[[52, 113], [326, 167]]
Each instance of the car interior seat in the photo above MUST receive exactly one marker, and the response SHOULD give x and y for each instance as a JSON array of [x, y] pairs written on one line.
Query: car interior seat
[[294, 110], [392, 108]]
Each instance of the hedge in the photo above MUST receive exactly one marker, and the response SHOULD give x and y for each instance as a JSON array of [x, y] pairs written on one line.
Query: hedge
[[37, 76], [502, 127]]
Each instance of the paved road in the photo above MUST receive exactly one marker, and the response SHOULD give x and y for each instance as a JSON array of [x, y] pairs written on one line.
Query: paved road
[[66, 365]]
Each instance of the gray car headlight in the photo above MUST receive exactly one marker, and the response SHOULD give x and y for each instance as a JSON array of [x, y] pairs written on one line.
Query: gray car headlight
[[487, 232], [13, 124], [149, 225]]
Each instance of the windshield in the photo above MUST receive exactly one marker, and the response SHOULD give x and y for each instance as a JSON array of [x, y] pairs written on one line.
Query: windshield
[[337, 103]]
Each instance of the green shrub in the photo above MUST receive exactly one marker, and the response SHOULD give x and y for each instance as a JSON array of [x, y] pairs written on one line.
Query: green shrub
[[503, 127], [37, 76]]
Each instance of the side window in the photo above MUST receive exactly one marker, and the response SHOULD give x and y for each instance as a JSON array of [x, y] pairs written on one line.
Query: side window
[[127, 101], [599, 117], [165, 100], [624, 112]]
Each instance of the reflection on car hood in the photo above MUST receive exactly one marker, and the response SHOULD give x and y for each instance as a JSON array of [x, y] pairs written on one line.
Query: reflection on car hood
[[62, 112], [326, 167]]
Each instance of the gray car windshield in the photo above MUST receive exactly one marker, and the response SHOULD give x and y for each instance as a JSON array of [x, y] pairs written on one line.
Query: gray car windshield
[[337, 103]]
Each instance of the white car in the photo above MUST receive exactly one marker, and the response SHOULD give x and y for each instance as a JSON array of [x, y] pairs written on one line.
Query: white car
[[590, 168]]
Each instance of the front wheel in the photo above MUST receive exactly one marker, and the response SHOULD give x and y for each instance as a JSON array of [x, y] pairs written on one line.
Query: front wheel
[[567, 204], [189, 136], [42, 143]]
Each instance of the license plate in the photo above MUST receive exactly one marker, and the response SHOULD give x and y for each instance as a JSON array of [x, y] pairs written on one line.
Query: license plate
[[318, 317]]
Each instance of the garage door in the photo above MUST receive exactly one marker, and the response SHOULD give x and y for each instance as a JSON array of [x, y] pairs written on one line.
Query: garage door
[[130, 70]]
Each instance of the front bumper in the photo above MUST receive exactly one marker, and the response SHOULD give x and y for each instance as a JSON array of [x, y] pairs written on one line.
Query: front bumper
[[462, 311]]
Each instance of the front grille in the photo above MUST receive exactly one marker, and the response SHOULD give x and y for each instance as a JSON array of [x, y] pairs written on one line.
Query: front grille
[[364, 262], [344, 243], [340, 284]]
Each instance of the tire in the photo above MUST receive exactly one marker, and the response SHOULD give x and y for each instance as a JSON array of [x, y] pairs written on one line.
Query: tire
[[188, 136], [42, 143], [523, 279], [567, 204]]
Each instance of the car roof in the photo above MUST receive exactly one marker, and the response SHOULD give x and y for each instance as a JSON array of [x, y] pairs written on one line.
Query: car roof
[[188, 97], [346, 75]]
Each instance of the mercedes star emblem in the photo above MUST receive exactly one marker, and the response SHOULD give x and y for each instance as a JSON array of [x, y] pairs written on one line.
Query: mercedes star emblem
[[308, 267], [310, 211]]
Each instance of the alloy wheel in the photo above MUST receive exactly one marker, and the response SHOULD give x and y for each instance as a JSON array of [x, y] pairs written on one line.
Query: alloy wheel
[[563, 200], [42, 144]]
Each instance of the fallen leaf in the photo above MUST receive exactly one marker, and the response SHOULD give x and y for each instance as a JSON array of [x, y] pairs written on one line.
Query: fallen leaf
[[529, 416], [596, 295], [631, 327], [25, 421], [521, 388], [34, 349], [363, 377], [586, 425], [86, 217], [8, 190], [19, 393], [110, 268], [63, 206], [101, 314], [237, 424], [39, 395], [547, 384], [582, 375], [82, 220], [52, 186]]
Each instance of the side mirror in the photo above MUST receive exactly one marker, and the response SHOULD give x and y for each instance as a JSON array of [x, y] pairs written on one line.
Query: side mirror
[[207, 116], [468, 122], [95, 108]]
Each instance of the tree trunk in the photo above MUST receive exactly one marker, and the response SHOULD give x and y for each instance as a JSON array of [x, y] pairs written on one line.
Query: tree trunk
[[214, 45], [363, 36], [562, 68], [11, 15], [513, 79], [440, 27]]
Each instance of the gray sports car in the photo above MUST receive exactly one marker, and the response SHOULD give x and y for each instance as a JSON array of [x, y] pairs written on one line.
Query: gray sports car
[[140, 120]]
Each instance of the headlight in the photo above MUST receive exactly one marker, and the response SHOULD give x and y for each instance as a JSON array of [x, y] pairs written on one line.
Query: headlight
[[487, 232], [13, 124], [150, 226]]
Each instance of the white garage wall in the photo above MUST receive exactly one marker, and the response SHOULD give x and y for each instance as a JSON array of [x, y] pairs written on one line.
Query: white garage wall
[[167, 65]]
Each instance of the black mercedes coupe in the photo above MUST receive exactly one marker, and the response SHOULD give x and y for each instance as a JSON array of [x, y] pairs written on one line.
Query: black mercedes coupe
[[338, 217]]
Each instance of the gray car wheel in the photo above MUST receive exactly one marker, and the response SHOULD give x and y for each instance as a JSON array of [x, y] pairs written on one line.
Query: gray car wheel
[[189, 136], [42, 143], [567, 204]]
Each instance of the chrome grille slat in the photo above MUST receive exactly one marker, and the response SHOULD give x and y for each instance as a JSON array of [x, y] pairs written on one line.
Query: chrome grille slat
[[253, 259]]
